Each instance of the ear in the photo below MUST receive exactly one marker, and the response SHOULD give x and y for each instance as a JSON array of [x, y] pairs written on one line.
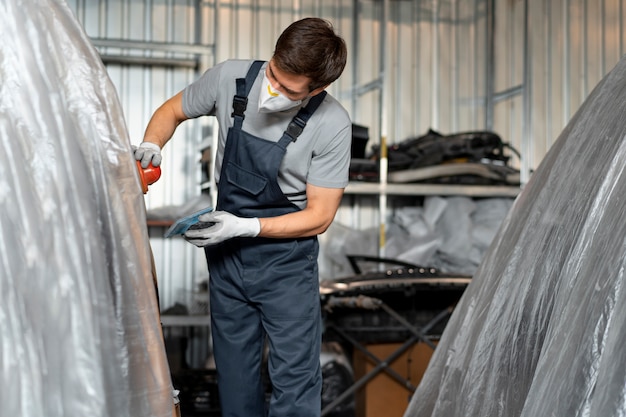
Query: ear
[[318, 90]]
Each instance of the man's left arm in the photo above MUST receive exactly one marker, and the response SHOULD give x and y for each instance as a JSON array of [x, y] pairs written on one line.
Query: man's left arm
[[322, 205]]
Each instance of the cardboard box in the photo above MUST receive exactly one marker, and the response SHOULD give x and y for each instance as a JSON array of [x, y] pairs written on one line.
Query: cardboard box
[[383, 395]]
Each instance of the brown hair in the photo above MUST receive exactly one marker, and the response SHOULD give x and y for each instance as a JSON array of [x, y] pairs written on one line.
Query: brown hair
[[311, 48]]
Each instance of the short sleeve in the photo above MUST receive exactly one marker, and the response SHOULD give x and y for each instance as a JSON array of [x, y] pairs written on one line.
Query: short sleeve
[[330, 166]]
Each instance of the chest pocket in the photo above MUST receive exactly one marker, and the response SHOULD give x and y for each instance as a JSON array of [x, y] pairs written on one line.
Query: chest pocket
[[245, 180]]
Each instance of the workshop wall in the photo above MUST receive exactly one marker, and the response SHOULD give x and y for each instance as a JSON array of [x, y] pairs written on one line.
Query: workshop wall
[[518, 67]]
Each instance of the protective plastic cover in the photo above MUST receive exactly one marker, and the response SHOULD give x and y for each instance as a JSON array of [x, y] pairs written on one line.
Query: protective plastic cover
[[540, 330], [79, 326]]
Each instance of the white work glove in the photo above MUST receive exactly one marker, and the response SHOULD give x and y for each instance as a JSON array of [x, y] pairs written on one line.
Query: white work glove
[[222, 226], [148, 152]]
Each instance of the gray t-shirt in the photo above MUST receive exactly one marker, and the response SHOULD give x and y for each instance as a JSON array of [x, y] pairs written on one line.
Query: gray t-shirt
[[321, 154]]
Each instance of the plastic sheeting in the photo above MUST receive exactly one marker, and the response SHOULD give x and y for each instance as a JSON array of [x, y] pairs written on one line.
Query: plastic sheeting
[[540, 330], [79, 326], [450, 234]]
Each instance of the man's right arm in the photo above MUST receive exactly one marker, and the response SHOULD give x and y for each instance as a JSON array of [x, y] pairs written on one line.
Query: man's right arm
[[159, 131], [165, 120]]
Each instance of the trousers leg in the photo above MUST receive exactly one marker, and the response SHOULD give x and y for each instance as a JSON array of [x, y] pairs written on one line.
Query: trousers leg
[[291, 315], [238, 341], [294, 367]]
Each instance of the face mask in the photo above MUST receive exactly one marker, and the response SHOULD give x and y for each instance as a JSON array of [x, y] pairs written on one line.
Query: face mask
[[272, 101]]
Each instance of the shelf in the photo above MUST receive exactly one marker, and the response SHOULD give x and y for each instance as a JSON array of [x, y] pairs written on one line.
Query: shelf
[[433, 189], [159, 223], [185, 321]]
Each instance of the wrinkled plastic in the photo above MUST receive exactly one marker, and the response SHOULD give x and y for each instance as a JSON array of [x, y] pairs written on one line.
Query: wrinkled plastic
[[450, 234], [79, 326], [540, 330]]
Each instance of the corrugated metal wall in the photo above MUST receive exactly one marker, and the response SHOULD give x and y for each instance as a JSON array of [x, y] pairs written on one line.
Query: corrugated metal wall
[[572, 46], [518, 67]]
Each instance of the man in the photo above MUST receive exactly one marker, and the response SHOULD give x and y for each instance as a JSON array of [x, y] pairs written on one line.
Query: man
[[281, 167]]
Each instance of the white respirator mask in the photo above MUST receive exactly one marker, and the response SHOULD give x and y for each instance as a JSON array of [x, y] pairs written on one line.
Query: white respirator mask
[[272, 101]]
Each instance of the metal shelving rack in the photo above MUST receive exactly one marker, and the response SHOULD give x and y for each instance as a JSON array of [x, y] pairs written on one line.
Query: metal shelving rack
[[383, 188]]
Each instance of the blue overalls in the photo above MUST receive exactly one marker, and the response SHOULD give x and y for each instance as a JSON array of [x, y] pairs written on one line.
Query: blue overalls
[[261, 286]]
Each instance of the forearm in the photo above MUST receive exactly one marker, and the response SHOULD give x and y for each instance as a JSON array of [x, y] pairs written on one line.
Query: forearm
[[292, 225], [313, 220]]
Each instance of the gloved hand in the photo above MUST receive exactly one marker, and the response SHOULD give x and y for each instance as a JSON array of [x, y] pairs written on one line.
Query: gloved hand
[[148, 152], [225, 226]]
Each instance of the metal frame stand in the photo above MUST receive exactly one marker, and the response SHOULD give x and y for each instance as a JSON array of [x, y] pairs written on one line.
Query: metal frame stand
[[417, 335]]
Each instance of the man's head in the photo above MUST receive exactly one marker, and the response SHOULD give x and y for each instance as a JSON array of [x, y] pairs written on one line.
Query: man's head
[[311, 48]]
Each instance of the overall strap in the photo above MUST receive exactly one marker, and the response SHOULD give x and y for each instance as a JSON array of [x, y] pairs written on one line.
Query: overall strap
[[297, 124], [240, 101]]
